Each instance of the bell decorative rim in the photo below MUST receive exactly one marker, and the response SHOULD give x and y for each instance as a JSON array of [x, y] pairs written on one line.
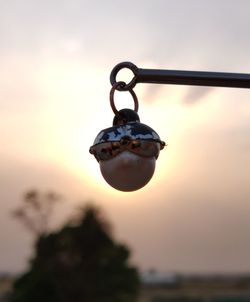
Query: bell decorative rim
[[132, 130]]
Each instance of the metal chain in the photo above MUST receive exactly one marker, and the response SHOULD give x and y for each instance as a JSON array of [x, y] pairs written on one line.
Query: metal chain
[[120, 86]]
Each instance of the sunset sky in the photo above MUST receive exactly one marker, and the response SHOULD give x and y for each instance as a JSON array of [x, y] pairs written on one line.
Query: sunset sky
[[55, 61]]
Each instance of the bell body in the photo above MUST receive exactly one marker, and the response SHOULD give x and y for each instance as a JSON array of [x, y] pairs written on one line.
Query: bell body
[[127, 152]]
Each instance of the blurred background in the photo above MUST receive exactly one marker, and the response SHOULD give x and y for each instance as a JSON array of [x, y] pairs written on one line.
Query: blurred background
[[56, 58]]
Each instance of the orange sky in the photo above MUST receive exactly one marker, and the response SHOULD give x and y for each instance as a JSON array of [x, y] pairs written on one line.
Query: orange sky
[[55, 60]]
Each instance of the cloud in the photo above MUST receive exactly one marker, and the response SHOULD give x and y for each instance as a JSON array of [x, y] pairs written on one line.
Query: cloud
[[196, 94]]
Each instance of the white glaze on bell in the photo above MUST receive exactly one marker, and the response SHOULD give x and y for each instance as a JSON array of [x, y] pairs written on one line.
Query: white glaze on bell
[[127, 171]]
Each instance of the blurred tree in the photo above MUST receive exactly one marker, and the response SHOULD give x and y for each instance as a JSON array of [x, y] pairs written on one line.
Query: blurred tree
[[36, 211], [79, 263]]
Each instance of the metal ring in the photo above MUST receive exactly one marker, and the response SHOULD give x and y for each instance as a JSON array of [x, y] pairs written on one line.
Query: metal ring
[[115, 71], [120, 85]]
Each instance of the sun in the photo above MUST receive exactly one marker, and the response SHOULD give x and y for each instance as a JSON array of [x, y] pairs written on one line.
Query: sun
[[71, 130], [73, 111]]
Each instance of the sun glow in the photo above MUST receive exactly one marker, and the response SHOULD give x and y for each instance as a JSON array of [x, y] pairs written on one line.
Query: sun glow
[[74, 120], [70, 116]]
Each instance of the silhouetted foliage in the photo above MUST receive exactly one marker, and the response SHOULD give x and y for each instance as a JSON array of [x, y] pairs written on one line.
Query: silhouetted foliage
[[79, 263], [36, 210]]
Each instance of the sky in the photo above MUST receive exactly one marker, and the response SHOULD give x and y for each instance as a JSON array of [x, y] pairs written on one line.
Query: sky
[[56, 58]]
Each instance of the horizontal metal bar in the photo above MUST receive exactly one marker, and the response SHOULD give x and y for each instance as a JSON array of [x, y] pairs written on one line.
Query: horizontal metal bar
[[179, 77], [197, 78]]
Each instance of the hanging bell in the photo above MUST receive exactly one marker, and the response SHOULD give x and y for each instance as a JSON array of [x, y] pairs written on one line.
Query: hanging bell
[[127, 152]]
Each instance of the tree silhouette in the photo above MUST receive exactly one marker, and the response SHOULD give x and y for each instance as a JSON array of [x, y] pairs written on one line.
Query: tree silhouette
[[36, 211], [79, 263]]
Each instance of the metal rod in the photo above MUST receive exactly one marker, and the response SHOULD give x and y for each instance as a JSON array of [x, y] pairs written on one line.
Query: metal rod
[[197, 78], [180, 77]]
